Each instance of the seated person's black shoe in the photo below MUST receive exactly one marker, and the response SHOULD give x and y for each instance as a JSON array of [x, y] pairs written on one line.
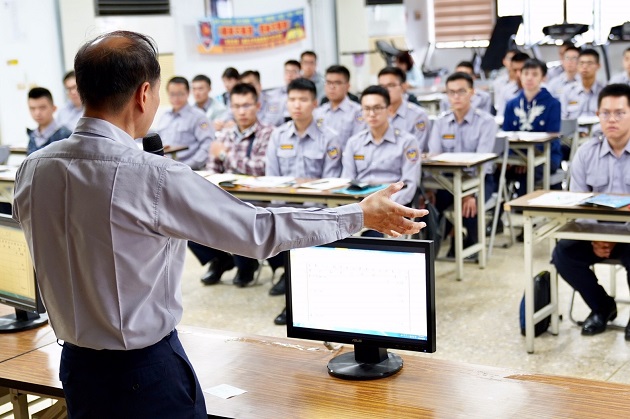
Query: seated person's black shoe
[[243, 277], [281, 319], [628, 331], [216, 269], [499, 228], [280, 288], [595, 323]]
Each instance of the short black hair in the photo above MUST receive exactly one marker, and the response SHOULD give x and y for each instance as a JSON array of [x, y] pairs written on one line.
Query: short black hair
[[591, 52], [248, 73], [460, 75], [520, 57], [536, 63], [40, 92], [376, 90], [244, 89], [201, 77], [230, 73], [108, 75], [394, 71], [339, 69], [572, 48], [614, 90], [626, 50], [405, 58], [304, 85], [178, 80], [466, 64], [70, 74], [294, 63], [311, 53]]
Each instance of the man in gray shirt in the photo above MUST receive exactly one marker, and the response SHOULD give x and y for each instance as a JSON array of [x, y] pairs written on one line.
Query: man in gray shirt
[[107, 226]]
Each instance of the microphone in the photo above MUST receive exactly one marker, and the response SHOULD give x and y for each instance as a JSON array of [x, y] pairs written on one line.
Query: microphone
[[152, 143]]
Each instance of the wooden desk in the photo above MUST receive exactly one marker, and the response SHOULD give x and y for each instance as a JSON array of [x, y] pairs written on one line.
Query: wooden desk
[[18, 149], [15, 344], [525, 154], [288, 378], [451, 177], [557, 226], [7, 179]]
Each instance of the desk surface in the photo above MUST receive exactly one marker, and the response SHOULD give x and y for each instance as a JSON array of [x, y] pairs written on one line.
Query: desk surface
[[15, 344], [288, 378], [522, 204], [428, 163]]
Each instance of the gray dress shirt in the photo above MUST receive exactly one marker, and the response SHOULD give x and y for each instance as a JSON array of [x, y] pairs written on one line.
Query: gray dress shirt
[[577, 101], [395, 158], [347, 119], [317, 154], [595, 168], [413, 119], [107, 226], [190, 127], [622, 78], [560, 84]]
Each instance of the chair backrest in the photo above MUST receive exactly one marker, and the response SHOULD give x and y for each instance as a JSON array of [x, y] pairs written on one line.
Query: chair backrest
[[568, 127], [5, 151]]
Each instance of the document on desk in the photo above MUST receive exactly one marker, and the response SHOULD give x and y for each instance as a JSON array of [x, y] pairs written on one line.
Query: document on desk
[[225, 391], [266, 181], [560, 199], [524, 135], [325, 183], [217, 178], [606, 200], [588, 120], [462, 157]]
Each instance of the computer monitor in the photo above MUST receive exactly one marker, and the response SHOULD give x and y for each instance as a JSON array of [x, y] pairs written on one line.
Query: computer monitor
[[18, 284], [370, 292]]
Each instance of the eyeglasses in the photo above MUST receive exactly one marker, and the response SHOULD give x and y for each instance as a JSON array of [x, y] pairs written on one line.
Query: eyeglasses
[[246, 107], [178, 94], [618, 115], [390, 86], [457, 93], [330, 83], [587, 63], [376, 109], [570, 58]]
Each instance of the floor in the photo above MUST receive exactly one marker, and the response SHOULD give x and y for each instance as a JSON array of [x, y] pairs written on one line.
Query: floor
[[477, 318]]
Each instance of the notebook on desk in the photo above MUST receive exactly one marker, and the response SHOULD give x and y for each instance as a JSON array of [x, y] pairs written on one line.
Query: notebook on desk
[[606, 200]]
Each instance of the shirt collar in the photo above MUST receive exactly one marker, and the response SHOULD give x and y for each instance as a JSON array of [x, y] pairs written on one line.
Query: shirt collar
[[239, 136], [207, 105], [48, 131], [183, 110], [605, 148], [312, 131], [402, 109], [390, 135], [470, 115], [106, 129]]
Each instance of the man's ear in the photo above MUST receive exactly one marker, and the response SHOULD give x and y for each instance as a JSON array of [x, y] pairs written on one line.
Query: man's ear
[[142, 95]]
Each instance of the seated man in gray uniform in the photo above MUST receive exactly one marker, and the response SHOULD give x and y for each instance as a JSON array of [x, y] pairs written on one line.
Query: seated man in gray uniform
[[580, 98], [624, 76], [601, 165], [185, 125], [480, 99]]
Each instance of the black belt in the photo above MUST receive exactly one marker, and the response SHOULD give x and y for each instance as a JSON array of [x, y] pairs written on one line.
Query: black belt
[[75, 347]]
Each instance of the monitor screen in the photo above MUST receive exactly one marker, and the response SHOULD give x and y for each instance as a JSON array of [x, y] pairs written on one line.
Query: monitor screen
[[18, 284], [373, 293]]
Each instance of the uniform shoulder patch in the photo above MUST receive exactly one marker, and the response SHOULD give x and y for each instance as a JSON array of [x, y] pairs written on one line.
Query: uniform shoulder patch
[[420, 125], [412, 154], [204, 125], [319, 122], [333, 152]]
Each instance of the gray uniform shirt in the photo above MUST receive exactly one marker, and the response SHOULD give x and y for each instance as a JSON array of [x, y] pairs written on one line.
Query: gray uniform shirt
[[413, 119], [190, 127], [476, 134], [622, 78], [508, 92], [577, 101], [69, 115], [560, 84], [315, 155], [395, 158], [595, 168], [213, 108], [347, 119], [107, 225]]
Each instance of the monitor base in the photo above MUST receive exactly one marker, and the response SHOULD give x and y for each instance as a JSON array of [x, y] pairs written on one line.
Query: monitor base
[[347, 367], [18, 322]]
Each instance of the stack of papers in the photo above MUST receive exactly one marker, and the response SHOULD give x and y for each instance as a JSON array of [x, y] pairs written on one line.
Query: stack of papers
[[526, 135], [217, 178], [560, 199], [266, 181], [462, 157], [610, 201], [325, 183]]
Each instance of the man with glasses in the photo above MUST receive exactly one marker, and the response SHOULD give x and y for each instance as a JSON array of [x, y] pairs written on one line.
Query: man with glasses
[[557, 85], [601, 165], [480, 98], [72, 111], [463, 128], [580, 99], [339, 112], [623, 77], [557, 71], [405, 116], [241, 149], [185, 125]]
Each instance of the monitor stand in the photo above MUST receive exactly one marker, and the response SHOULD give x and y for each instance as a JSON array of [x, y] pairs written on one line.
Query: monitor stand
[[22, 320], [365, 363]]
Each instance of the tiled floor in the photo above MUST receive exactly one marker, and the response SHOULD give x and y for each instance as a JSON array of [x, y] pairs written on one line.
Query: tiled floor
[[477, 318]]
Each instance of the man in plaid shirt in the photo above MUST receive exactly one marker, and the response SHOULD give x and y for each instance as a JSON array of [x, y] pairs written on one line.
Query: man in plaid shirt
[[239, 149]]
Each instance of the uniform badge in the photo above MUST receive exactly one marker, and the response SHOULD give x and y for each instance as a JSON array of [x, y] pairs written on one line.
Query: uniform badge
[[273, 108], [319, 122], [412, 154], [359, 157], [286, 146], [448, 136], [333, 152], [396, 132], [359, 118], [420, 125], [204, 125]]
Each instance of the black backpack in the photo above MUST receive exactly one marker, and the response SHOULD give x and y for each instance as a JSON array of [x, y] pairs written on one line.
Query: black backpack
[[542, 297]]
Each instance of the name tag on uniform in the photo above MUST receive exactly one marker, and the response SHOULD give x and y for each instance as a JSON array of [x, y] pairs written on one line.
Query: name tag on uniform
[[573, 102], [448, 136], [286, 146], [359, 157]]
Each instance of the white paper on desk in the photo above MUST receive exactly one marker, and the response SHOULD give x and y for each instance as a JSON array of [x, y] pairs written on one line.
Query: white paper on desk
[[527, 135], [588, 120], [225, 391], [266, 181], [560, 199], [219, 177], [325, 183], [462, 157]]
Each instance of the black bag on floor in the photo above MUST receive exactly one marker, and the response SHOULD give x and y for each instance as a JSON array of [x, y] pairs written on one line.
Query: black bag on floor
[[542, 297]]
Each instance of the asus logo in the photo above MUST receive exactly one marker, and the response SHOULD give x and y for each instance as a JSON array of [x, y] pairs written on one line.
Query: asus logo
[[357, 340]]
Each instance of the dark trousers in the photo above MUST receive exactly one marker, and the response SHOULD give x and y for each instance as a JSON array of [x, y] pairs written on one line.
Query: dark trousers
[[573, 258], [153, 382], [205, 254], [444, 199]]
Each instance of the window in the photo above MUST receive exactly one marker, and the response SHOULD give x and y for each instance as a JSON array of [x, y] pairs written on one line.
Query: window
[[461, 23]]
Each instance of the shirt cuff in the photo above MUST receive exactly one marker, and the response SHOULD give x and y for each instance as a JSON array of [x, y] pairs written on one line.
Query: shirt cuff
[[350, 219]]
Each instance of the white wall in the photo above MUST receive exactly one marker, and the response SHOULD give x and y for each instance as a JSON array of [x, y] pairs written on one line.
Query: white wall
[[352, 36], [30, 56]]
